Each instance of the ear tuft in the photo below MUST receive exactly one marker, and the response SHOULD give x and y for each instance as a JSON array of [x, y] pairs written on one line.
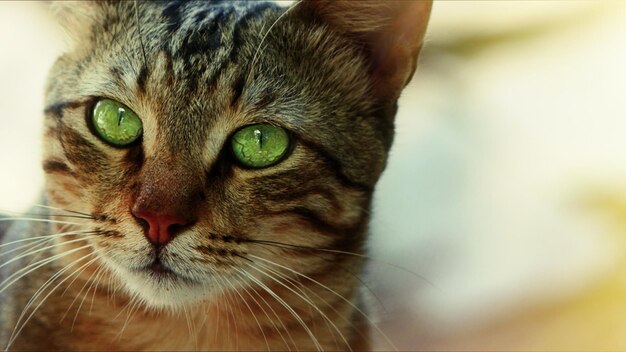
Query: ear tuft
[[392, 33], [351, 16], [76, 17]]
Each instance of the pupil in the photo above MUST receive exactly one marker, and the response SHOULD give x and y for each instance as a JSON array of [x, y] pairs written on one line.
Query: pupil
[[120, 116], [259, 138]]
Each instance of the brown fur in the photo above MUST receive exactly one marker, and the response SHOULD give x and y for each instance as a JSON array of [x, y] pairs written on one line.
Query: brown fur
[[265, 254]]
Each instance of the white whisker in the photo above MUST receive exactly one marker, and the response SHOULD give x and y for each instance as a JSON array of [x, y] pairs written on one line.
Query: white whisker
[[256, 53], [34, 266], [51, 279], [61, 209], [232, 315], [284, 304], [294, 282], [95, 284], [39, 250], [16, 333], [88, 281], [335, 251], [268, 316], [41, 238], [191, 330], [307, 301], [42, 220], [251, 312], [9, 215], [335, 293], [133, 304]]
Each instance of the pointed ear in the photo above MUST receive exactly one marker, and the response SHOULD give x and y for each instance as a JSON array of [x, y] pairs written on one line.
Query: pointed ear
[[391, 33], [76, 17]]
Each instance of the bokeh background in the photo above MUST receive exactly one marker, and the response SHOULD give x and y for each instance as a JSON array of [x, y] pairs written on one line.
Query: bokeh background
[[505, 193]]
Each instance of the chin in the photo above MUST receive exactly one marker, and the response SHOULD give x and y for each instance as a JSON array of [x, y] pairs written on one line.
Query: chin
[[163, 290]]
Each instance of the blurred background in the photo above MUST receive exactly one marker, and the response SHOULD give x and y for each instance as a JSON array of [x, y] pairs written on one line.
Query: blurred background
[[505, 192]]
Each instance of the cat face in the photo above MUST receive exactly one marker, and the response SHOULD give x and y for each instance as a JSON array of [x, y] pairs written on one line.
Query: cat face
[[218, 144]]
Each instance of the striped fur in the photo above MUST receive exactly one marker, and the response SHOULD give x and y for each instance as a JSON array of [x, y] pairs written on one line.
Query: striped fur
[[265, 264]]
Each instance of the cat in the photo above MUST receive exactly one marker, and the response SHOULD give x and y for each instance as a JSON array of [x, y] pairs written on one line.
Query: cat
[[209, 174]]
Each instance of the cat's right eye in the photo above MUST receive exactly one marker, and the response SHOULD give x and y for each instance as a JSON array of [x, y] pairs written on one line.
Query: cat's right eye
[[115, 123]]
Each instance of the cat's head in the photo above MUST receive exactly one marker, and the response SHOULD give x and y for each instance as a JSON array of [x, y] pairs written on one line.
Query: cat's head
[[216, 142]]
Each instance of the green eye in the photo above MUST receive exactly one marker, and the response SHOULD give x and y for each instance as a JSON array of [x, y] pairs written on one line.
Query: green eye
[[115, 123], [259, 146]]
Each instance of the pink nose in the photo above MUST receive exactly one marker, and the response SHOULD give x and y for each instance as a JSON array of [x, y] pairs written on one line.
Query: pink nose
[[161, 227]]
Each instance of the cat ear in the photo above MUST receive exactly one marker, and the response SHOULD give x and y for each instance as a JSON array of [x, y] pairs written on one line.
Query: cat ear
[[76, 17], [391, 33]]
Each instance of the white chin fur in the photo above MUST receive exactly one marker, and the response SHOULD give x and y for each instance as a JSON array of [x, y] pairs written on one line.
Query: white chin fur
[[162, 293]]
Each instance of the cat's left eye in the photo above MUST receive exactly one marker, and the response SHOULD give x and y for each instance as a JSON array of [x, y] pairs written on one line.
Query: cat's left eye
[[115, 123], [259, 146]]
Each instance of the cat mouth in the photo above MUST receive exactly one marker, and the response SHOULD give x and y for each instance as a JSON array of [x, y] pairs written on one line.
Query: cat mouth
[[159, 268], [159, 271]]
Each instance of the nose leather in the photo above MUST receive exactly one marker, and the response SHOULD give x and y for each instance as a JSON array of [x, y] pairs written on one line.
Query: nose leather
[[167, 199], [161, 227]]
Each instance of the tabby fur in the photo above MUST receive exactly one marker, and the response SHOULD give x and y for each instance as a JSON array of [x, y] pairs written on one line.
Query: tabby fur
[[271, 257]]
